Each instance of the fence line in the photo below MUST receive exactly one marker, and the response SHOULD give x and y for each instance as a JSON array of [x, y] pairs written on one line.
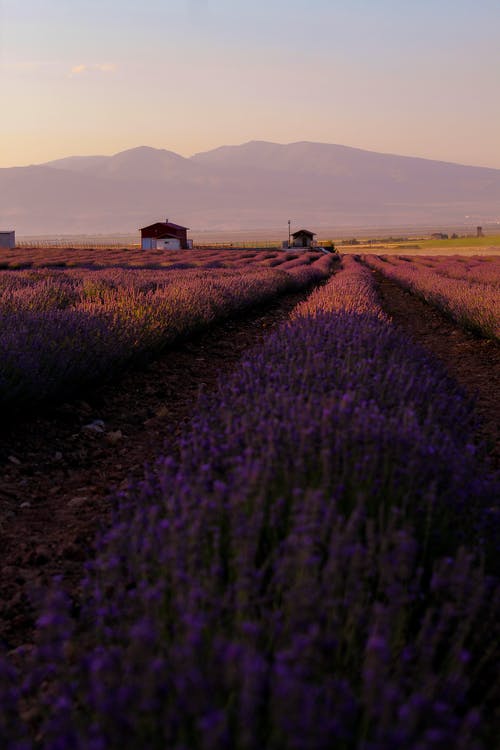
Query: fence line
[[77, 245], [90, 245], [58, 244]]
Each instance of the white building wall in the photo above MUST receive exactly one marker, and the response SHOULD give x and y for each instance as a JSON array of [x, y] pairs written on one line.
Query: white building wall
[[169, 243]]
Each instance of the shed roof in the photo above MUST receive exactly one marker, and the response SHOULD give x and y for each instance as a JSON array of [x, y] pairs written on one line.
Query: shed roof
[[166, 224], [304, 231]]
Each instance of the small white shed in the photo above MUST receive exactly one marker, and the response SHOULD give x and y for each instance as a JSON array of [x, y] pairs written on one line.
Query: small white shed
[[7, 239], [303, 238]]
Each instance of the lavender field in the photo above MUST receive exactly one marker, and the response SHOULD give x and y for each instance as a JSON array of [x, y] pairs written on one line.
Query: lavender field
[[313, 564], [60, 329]]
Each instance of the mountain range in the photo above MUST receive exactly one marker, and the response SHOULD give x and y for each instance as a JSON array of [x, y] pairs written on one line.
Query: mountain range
[[253, 185]]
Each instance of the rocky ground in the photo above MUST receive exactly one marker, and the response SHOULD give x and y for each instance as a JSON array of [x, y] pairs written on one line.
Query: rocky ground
[[59, 467]]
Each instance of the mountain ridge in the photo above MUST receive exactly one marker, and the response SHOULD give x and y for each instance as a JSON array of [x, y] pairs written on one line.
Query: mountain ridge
[[259, 142], [255, 184]]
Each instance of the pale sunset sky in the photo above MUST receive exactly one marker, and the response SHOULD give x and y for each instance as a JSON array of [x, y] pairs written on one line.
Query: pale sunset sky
[[100, 76]]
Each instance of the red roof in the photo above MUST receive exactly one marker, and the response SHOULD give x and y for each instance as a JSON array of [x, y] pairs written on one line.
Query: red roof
[[165, 224]]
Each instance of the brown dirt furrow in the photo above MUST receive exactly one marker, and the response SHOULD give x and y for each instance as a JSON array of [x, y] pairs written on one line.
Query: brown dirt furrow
[[56, 474], [472, 361]]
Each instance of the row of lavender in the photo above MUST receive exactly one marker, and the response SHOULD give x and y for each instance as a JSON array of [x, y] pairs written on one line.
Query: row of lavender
[[469, 295], [302, 573], [59, 329], [476, 268], [96, 258]]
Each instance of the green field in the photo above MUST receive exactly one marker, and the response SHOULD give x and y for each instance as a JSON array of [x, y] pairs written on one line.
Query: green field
[[488, 241], [489, 245]]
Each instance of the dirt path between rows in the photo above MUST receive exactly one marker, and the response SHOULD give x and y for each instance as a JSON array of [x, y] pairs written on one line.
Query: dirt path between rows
[[473, 362], [58, 469]]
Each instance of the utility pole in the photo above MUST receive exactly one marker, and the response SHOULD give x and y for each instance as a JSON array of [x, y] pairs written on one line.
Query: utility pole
[[289, 233]]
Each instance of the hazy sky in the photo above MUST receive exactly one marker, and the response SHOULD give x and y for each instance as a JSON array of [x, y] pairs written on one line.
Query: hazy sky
[[98, 76]]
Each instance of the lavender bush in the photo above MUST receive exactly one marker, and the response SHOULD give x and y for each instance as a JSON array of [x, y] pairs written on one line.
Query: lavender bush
[[353, 292], [302, 571]]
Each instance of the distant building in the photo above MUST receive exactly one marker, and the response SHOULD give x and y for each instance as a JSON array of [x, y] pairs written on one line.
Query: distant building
[[7, 239], [303, 238], [479, 232], [165, 235], [439, 236]]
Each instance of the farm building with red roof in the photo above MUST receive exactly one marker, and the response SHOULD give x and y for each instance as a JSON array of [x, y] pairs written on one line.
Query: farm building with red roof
[[165, 235]]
